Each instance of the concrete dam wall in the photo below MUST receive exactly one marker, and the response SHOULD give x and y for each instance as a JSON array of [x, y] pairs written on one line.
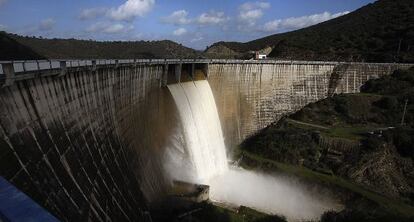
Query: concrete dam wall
[[249, 97], [84, 145], [87, 141]]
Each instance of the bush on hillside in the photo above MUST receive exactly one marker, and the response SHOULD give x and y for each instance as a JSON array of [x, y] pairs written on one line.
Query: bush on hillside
[[361, 216], [285, 145], [341, 105], [387, 102], [372, 142], [403, 139], [394, 84]]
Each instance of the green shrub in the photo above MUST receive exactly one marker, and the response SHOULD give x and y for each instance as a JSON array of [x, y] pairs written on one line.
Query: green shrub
[[399, 81], [348, 215], [372, 142], [404, 141], [341, 105], [289, 145], [387, 102]]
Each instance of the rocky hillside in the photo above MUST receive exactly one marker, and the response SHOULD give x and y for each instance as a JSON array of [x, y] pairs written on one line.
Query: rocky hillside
[[379, 32], [34, 48]]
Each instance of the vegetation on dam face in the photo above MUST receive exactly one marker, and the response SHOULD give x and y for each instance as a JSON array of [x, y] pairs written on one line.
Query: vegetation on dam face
[[380, 32], [356, 143]]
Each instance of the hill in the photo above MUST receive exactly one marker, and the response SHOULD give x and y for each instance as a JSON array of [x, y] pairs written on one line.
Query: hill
[[379, 32], [18, 47], [11, 49]]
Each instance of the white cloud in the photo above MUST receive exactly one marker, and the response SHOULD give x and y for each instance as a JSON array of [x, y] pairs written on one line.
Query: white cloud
[[131, 9], [251, 15], [109, 28], [3, 27], [177, 18], [212, 18], [92, 13], [180, 32], [180, 17], [47, 24], [299, 22], [254, 5], [198, 37], [250, 12]]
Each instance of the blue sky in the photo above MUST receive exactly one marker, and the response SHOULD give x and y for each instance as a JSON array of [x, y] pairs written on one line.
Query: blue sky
[[194, 23]]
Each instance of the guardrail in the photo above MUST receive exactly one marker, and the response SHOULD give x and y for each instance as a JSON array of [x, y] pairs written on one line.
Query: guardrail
[[36, 65], [15, 70]]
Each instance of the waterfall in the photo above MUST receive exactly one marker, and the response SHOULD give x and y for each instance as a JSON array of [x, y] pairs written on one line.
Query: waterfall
[[204, 143]]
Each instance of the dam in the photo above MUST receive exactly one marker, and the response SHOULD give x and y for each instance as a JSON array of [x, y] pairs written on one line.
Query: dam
[[87, 140]]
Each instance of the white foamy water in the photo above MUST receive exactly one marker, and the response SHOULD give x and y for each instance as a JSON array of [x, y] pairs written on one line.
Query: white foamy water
[[269, 194], [197, 154], [202, 134]]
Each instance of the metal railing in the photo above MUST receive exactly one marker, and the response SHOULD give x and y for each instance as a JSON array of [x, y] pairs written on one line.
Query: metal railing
[[36, 65], [16, 68]]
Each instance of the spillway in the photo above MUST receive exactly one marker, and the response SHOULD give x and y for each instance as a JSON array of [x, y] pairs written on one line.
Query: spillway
[[203, 136]]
